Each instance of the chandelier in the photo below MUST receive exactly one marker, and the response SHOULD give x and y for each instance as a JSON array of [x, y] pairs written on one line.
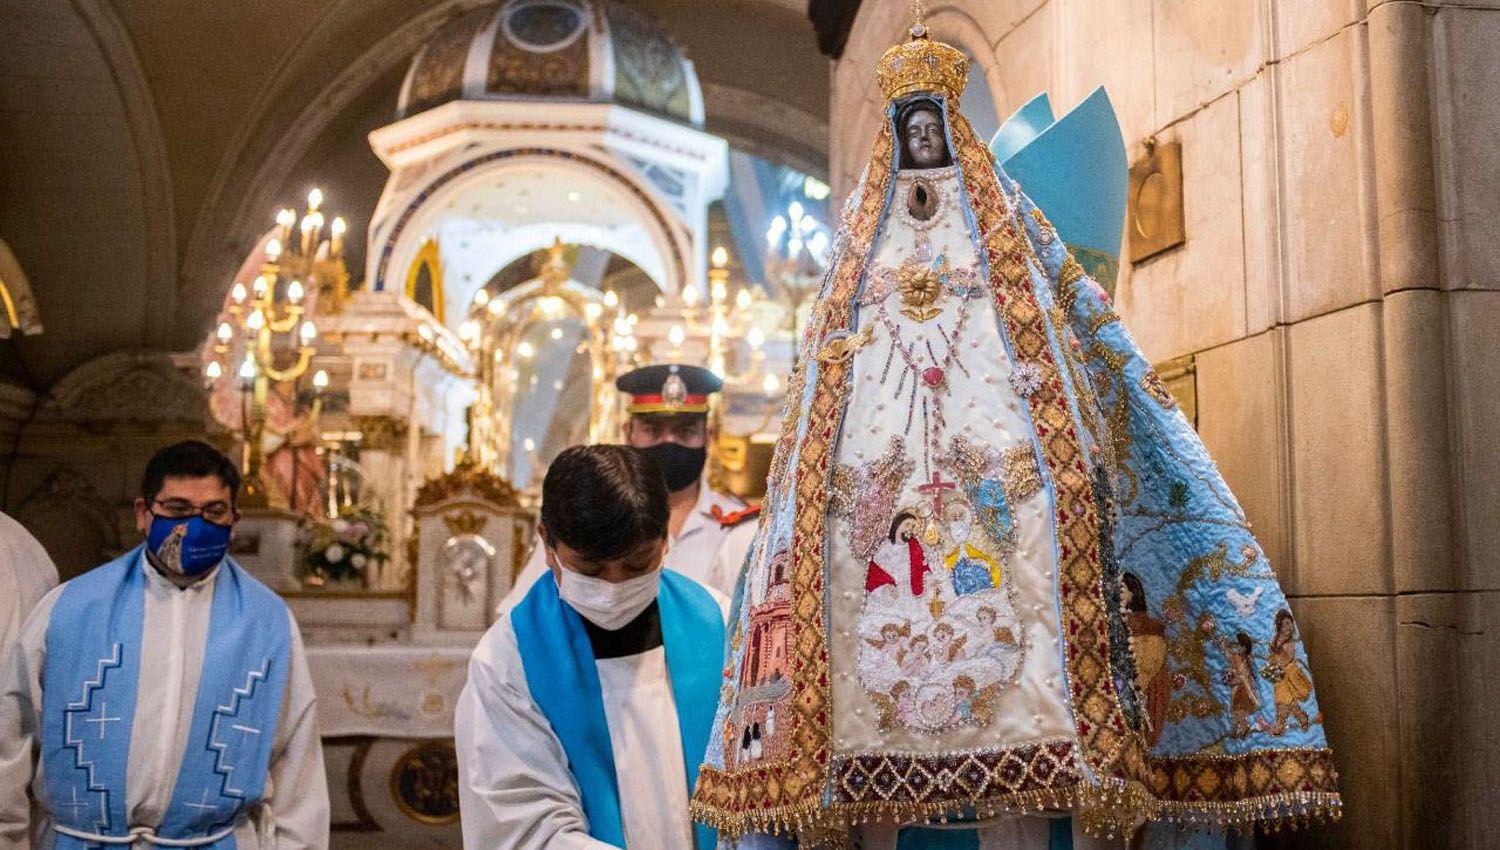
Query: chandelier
[[267, 338]]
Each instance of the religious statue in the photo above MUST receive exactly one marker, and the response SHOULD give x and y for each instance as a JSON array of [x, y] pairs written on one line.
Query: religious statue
[[1007, 574]]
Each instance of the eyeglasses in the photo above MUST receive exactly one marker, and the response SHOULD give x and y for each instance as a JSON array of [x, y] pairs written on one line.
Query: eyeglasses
[[218, 513]]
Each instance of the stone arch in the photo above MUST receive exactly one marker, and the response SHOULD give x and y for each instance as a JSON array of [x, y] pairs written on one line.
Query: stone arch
[[662, 258], [84, 146]]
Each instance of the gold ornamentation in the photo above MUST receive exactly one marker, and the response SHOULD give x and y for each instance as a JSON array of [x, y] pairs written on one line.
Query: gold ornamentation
[[424, 783], [1111, 750], [1155, 215], [1070, 273], [1019, 472], [381, 433], [922, 65], [465, 522], [1118, 779], [841, 348], [468, 478], [1151, 382], [920, 287], [788, 792]]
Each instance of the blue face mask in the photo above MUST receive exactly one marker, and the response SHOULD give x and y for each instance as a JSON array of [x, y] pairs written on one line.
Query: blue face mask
[[189, 546]]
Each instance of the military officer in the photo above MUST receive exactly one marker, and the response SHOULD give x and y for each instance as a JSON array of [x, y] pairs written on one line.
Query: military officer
[[709, 532]]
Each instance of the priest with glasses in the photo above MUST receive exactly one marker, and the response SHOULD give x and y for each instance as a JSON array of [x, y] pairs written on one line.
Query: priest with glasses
[[163, 699]]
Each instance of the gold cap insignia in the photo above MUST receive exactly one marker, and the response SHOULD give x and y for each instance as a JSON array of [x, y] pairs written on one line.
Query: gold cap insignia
[[674, 390]]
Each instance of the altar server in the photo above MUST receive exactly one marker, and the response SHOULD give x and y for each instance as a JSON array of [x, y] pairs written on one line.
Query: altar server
[[163, 699], [588, 705], [668, 420], [26, 574]]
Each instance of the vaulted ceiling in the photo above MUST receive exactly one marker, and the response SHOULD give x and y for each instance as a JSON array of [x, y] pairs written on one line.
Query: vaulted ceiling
[[147, 142]]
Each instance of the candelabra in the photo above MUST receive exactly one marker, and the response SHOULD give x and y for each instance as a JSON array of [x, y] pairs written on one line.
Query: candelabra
[[268, 327], [797, 252]]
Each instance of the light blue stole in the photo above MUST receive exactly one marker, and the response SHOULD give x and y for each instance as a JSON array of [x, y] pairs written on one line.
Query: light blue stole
[[559, 665], [89, 685]]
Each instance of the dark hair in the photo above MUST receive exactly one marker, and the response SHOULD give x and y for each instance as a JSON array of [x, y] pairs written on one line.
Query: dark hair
[[917, 104], [1247, 646], [1137, 592], [604, 500], [1284, 615], [896, 523], [189, 459]]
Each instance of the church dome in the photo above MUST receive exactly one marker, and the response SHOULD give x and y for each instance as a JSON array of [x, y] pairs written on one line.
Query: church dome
[[555, 50]]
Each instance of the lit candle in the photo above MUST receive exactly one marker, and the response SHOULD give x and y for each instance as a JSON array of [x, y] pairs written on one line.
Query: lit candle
[[213, 370], [285, 219], [320, 380], [677, 336], [720, 257], [690, 295], [294, 291], [273, 249], [336, 247], [247, 368], [309, 333], [742, 299], [225, 332], [237, 293]]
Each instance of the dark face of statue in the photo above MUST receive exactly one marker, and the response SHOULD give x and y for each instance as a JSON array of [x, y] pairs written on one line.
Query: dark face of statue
[[922, 134]]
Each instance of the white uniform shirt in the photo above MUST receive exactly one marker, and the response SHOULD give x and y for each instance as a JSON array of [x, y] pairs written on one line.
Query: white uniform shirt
[[294, 814], [515, 789], [26, 574], [699, 550]]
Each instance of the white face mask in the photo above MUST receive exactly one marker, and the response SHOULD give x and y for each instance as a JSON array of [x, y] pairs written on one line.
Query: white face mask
[[608, 604]]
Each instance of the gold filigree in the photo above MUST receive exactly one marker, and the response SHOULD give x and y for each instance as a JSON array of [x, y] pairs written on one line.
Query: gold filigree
[[788, 792], [920, 287], [1070, 273], [841, 348], [1152, 383], [465, 522], [922, 65], [1019, 473], [468, 478], [381, 433]]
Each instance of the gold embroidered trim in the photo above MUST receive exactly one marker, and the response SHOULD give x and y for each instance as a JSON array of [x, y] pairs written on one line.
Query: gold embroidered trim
[[1125, 787], [788, 793], [1100, 319], [1070, 272], [1108, 744]]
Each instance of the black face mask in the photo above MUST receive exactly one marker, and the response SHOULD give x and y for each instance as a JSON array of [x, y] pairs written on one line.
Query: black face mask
[[680, 465]]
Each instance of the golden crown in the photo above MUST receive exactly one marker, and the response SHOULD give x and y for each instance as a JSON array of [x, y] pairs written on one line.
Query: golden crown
[[922, 65]]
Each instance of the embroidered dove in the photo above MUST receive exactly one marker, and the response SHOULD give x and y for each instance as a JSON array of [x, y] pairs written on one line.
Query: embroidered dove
[[1244, 604]]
